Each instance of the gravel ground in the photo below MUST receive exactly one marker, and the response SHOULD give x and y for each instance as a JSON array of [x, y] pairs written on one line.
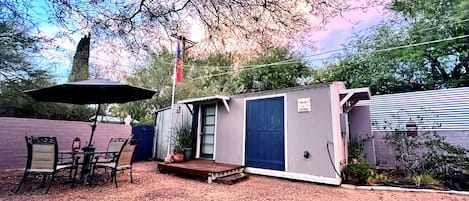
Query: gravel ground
[[150, 185]]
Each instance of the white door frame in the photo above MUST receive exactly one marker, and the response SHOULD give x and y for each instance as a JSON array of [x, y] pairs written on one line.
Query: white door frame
[[285, 128], [199, 130]]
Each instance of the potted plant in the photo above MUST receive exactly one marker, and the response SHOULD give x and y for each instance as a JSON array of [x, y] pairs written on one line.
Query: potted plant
[[357, 172], [182, 141]]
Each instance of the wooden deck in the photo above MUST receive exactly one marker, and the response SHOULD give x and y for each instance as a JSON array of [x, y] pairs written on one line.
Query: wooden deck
[[202, 168]]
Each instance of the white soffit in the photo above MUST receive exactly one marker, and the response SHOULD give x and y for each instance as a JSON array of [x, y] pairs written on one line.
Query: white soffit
[[200, 100]]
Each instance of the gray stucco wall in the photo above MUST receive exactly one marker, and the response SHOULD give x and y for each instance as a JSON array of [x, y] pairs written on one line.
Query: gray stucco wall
[[385, 154], [229, 136], [307, 131], [310, 131], [360, 128]]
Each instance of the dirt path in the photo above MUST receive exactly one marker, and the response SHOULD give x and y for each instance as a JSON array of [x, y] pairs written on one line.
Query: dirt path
[[149, 185]]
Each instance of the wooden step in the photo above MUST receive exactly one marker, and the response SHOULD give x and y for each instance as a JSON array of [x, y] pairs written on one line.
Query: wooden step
[[232, 178]]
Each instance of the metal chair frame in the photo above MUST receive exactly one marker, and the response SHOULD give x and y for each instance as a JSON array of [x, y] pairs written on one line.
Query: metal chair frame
[[36, 167], [116, 165]]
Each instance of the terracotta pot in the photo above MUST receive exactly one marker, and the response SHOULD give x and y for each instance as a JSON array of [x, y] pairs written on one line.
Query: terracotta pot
[[352, 179], [178, 157]]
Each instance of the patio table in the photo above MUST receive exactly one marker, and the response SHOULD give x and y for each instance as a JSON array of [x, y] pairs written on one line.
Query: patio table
[[86, 160]]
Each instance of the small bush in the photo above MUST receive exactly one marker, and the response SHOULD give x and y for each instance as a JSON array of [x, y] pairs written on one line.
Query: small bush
[[376, 178], [423, 151], [428, 179], [355, 148], [424, 179], [360, 171]]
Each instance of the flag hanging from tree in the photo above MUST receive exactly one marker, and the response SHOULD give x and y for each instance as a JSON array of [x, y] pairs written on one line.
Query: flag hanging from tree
[[178, 64]]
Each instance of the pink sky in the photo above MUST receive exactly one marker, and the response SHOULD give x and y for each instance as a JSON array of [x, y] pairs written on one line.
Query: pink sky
[[336, 32]]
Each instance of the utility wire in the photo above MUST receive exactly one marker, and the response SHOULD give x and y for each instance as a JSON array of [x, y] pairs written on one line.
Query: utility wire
[[305, 58], [422, 43], [292, 61], [297, 61], [314, 55], [326, 52], [341, 49]]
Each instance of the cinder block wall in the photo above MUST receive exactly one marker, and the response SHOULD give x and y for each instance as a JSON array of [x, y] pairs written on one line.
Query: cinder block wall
[[13, 130], [385, 154]]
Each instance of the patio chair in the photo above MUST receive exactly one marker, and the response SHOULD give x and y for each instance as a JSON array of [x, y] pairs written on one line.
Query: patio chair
[[122, 161], [115, 145], [43, 160]]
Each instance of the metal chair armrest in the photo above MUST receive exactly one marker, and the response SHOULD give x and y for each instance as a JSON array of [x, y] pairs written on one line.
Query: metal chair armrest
[[68, 158]]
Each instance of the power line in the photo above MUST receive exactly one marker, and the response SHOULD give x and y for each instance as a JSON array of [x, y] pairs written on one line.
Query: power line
[[291, 61], [423, 43], [297, 61], [260, 66], [326, 52], [322, 53], [331, 51]]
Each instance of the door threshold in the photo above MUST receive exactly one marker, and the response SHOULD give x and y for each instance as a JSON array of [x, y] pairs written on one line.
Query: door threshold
[[208, 159]]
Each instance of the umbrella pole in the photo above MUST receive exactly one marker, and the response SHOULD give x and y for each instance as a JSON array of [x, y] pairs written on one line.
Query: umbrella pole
[[93, 127]]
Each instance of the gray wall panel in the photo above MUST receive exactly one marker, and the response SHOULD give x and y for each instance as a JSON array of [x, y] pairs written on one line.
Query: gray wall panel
[[229, 144], [310, 131]]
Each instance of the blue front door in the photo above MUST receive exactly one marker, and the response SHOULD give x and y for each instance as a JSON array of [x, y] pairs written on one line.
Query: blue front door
[[265, 146]]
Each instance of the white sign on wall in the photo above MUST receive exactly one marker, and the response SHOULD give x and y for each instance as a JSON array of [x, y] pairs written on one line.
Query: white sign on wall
[[303, 104]]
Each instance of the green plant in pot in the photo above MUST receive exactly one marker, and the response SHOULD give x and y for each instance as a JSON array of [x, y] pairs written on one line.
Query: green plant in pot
[[357, 172], [182, 141]]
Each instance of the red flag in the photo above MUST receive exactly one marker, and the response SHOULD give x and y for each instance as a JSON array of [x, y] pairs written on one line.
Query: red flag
[[178, 65]]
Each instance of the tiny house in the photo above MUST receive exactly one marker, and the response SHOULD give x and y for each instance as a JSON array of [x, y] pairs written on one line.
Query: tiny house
[[297, 133]]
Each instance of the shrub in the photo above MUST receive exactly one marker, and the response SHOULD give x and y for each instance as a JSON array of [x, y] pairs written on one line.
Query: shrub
[[355, 148], [424, 179], [427, 152], [360, 171], [376, 178]]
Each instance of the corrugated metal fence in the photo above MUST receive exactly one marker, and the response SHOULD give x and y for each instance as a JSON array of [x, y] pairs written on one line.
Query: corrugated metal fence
[[445, 111], [163, 128]]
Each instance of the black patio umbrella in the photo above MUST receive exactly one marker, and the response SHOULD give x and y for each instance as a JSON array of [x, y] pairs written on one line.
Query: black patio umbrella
[[95, 91]]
